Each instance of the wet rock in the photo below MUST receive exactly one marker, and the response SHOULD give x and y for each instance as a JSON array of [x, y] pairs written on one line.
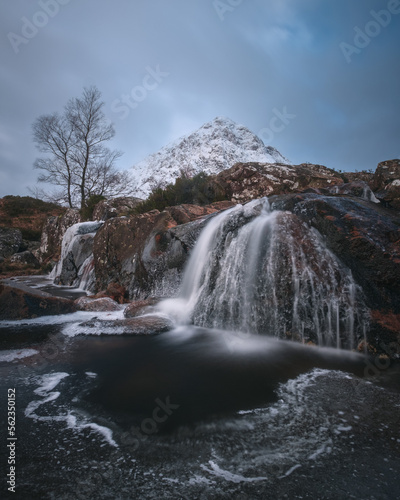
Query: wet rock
[[103, 304], [385, 332], [247, 181], [144, 325], [76, 262], [25, 257], [359, 189], [18, 301], [386, 183], [10, 241], [366, 238], [145, 253], [116, 207], [186, 213], [116, 292], [139, 307]]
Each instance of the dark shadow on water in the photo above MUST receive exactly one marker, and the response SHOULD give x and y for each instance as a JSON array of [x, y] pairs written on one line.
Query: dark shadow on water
[[195, 372]]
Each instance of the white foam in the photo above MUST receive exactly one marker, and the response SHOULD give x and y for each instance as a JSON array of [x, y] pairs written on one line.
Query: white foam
[[292, 469], [100, 429], [59, 319], [12, 355], [48, 382], [229, 476]]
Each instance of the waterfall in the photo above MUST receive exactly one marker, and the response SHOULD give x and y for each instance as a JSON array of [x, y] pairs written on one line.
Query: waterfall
[[255, 270], [76, 265]]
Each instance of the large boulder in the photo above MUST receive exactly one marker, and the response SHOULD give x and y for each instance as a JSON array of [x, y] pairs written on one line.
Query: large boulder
[[18, 301], [247, 181], [104, 304], [139, 307], [366, 238], [10, 241], [116, 207], [26, 258], [144, 325], [76, 256], [386, 183]]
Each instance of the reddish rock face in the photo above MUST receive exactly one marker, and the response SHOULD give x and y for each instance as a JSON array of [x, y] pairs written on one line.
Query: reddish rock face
[[18, 301], [53, 232], [366, 238], [139, 307], [99, 305], [116, 207], [142, 250], [115, 291], [247, 181], [386, 183], [147, 325]]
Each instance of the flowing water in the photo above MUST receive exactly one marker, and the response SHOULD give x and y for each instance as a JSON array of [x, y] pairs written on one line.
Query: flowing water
[[76, 264], [260, 271], [205, 413], [194, 413]]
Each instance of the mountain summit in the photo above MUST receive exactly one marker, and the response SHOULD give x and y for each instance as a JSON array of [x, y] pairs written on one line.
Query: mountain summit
[[214, 147]]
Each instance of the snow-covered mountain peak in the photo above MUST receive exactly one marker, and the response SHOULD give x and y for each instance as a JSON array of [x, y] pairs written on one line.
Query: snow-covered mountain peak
[[215, 146]]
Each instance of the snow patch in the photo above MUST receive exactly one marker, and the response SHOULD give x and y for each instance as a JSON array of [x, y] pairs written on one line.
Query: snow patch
[[214, 147]]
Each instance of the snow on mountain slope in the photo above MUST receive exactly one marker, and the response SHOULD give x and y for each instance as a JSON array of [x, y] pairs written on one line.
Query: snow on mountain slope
[[214, 147]]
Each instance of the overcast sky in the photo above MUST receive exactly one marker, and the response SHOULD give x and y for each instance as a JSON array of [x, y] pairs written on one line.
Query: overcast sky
[[318, 80]]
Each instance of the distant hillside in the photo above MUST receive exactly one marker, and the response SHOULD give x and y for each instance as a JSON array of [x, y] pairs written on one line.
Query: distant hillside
[[27, 214]]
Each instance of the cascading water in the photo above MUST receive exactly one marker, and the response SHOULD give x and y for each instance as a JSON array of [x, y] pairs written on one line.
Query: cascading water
[[76, 265], [260, 271]]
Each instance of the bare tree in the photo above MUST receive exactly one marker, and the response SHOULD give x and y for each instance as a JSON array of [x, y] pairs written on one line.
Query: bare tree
[[54, 135], [77, 160]]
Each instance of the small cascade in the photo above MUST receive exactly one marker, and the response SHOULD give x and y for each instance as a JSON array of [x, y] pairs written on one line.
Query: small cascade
[[257, 271], [86, 274], [76, 264]]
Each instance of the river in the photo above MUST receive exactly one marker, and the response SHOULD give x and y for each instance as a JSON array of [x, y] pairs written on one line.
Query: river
[[193, 413]]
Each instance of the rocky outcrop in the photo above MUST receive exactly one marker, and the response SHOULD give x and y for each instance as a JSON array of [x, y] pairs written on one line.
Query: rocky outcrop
[[116, 207], [26, 258], [366, 238], [115, 291], [10, 241], [76, 263], [248, 181], [360, 189], [103, 304], [363, 176], [18, 301], [144, 325], [52, 235], [145, 253], [386, 183], [139, 307]]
